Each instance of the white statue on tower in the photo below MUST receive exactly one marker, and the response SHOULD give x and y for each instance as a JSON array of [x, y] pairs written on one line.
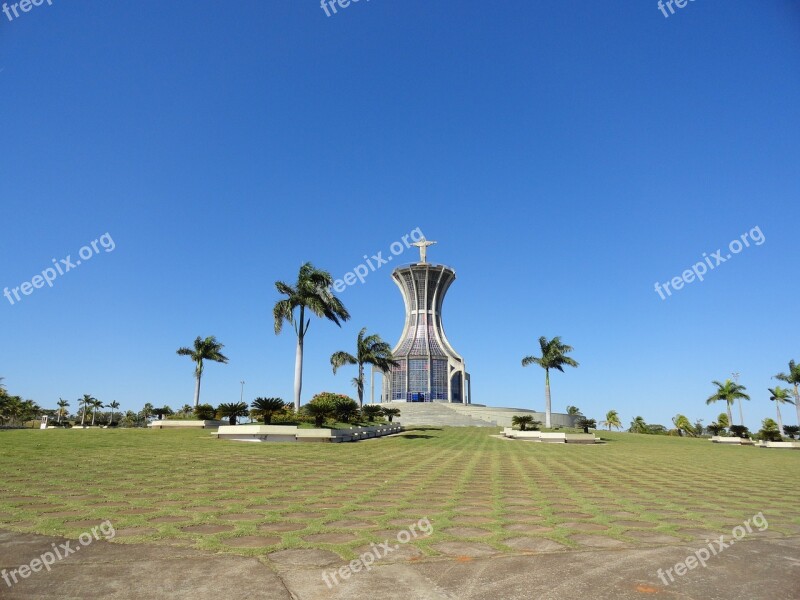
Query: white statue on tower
[[423, 249]]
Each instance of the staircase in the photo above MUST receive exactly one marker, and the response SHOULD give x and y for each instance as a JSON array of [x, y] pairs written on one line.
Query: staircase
[[436, 413], [469, 415]]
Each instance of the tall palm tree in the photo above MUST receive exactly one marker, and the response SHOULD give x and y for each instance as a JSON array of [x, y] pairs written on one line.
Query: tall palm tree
[[728, 392], [779, 396], [311, 291], [62, 404], [554, 356], [793, 378], [204, 349], [86, 401], [114, 405], [612, 420], [96, 405], [370, 350]]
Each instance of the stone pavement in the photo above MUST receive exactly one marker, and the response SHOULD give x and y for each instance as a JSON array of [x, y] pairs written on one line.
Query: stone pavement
[[753, 569]]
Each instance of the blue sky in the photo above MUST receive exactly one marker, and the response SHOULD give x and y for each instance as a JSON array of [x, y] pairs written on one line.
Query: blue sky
[[565, 155]]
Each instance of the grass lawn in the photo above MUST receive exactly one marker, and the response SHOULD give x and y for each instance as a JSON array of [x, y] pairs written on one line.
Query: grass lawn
[[482, 494]]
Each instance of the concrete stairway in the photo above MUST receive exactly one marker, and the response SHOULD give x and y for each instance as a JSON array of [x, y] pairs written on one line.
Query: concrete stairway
[[471, 415], [435, 413]]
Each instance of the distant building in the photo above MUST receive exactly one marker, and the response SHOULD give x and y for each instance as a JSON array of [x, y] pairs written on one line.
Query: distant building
[[429, 369]]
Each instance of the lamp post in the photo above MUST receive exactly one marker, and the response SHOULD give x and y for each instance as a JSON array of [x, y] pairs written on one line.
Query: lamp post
[[241, 396], [741, 414]]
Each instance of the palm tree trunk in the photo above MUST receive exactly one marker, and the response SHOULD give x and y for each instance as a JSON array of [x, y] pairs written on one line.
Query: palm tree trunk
[[94, 412], [730, 414], [797, 402], [547, 399], [83, 415], [197, 389], [360, 386], [298, 361], [780, 421], [741, 413]]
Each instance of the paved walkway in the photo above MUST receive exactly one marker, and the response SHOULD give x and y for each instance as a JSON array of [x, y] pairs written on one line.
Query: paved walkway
[[753, 569]]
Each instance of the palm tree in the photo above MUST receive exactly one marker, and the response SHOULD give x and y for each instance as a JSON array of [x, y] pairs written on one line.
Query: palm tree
[[311, 291], [113, 405], [715, 428], [266, 407], [370, 350], [233, 410], [29, 410], [522, 421], [585, 424], [638, 425], [320, 408], [769, 431], [86, 401], [682, 424], [390, 413], [204, 349], [62, 404], [147, 410], [722, 420], [371, 412], [793, 378], [612, 420], [779, 396], [96, 405], [553, 357], [573, 410], [728, 392]]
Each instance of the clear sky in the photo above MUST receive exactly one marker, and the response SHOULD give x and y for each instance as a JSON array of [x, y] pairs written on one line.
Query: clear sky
[[565, 155]]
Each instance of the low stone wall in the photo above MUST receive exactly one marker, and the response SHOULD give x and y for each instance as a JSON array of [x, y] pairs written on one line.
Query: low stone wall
[[292, 433], [167, 424], [551, 437], [788, 445], [723, 439]]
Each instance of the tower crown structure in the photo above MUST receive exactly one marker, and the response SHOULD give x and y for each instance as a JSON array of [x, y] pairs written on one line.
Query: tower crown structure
[[428, 369]]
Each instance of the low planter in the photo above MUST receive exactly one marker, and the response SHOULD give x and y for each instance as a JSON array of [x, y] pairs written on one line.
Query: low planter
[[167, 424], [292, 433]]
